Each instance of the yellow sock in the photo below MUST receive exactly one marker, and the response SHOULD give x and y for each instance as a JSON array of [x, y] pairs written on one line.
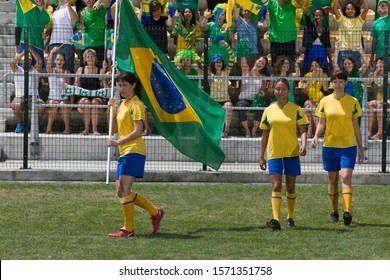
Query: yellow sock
[[334, 199], [142, 202], [276, 201], [128, 211], [347, 198], [290, 204]]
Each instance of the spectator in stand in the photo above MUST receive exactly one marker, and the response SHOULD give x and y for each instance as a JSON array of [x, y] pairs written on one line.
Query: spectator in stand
[[57, 85], [218, 31], [17, 103], [89, 83], [219, 88], [279, 123], [377, 31], [93, 20], [192, 4], [63, 21], [156, 27], [349, 66], [376, 104], [247, 27], [282, 28], [350, 21], [186, 61], [186, 30], [318, 42], [326, 6], [38, 21], [283, 68], [252, 91], [314, 89], [146, 13]]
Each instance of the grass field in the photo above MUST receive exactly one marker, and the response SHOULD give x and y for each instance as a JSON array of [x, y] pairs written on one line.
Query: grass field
[[202, 222]]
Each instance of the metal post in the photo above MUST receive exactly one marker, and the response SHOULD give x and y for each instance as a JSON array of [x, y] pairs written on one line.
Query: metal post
[[385, 97], [206, 86], [25, 115], [363, 124]]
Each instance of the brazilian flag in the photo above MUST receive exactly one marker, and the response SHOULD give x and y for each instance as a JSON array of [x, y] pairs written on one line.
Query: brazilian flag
[[81, 40], [185, 115], [109, 38]]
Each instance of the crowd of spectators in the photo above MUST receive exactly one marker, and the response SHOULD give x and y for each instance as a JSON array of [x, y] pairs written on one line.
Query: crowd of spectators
[[235, 36]]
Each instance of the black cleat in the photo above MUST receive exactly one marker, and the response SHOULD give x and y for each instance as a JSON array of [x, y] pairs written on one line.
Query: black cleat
[[274, 225], [290, 223], [334, 217], [347, 217]]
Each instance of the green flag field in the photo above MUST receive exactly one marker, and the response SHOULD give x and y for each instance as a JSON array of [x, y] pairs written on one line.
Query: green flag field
[[70, 221]]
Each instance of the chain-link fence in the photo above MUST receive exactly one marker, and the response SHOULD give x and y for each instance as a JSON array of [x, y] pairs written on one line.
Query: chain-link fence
[[61, 132]]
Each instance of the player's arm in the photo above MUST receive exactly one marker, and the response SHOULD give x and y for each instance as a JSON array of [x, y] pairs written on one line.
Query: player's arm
[[303, 133], [359, 142], [319, 130], [263, 146]]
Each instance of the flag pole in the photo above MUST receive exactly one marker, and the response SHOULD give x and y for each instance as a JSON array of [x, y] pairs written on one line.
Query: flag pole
[[113, 72]]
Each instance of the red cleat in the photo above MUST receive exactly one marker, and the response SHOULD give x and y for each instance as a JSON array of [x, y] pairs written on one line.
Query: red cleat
[[122, 233], [156, 220]]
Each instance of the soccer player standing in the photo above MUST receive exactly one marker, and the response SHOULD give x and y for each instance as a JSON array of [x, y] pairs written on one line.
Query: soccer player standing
[[128, 123], [338, 114], [279, 124]]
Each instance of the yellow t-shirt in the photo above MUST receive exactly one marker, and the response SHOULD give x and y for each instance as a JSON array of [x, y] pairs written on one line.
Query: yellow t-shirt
[[339, 132], [314, 91], [282, 123], [128, 112], [219, 89], [350, 30]]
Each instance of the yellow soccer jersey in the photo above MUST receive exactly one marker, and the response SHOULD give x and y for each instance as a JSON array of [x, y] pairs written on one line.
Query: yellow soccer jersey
[[339, 132], [129, 111], [282, 123]]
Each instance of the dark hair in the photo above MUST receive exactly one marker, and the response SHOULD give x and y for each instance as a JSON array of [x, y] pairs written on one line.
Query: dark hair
[[284, 81], [265, 71], [354, 4], [379, 58], [212, 66], [60, 53], [193, 19], [155, 6], [338, 75], [317, 61], [279, 63], [321, 10], [131, 79], [354, 69]]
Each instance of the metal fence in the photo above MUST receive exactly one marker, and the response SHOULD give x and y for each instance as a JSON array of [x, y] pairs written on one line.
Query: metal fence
[[36, 149]]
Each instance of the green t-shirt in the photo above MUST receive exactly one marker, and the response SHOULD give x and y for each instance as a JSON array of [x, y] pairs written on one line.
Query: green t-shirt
[[377, 32], [218, 31], [282, 26], [95, 23], [36, 20]]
